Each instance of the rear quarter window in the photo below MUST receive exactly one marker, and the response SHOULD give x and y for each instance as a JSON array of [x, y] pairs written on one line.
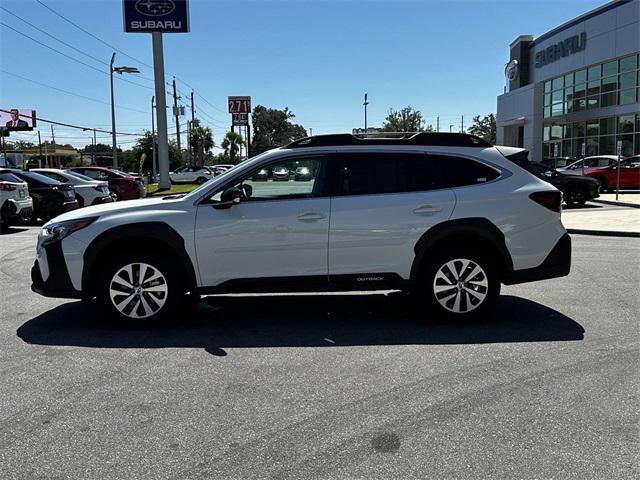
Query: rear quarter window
[[461, 172]]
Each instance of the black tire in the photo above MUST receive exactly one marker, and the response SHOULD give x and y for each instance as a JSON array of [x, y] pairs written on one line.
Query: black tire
[[604, 187], [201, 180], [576, 197], [134, 313], [442, 305]]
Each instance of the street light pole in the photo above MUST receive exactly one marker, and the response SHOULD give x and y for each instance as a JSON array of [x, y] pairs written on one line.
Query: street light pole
[[113, 115], [366, 102], [161, 110], [153, 139], [119, 70]]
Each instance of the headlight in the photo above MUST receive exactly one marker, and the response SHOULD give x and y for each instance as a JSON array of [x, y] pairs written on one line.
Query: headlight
[[58, 230]]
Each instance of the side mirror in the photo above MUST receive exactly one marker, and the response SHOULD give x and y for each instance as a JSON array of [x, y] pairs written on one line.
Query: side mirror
[[231, 196]]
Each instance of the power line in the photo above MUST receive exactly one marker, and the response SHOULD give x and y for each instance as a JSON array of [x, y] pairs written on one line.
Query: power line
[[91, 34], [70, 57], [70, 93]]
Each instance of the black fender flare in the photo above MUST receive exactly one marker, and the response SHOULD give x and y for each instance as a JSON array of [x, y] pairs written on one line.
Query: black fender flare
[[477, 227], [158, 231]]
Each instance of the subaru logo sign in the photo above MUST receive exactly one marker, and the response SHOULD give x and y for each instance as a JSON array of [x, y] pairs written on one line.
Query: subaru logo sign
[[155, 8], [159, 16]]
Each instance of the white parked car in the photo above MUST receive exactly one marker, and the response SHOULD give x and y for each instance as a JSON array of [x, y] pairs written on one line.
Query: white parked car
[[15, 201], [576, 168], [443, 216], [88, 190], [191, 175]]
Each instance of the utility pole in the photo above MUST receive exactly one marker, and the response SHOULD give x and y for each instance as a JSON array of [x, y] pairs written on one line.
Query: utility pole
[[462, 124], [40, 148], [311, 131], [366, 102], [176, 112], [114, 151], [192, 152], [450, 128], [153, 140], [438, 123], [161, 110], [95, 145], [53, 140]]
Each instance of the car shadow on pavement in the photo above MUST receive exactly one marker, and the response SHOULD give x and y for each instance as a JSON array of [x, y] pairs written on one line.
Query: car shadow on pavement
[[10, 230], [300, 321]]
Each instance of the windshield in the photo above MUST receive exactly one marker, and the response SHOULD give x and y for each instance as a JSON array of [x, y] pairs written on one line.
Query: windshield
[[79, 175]]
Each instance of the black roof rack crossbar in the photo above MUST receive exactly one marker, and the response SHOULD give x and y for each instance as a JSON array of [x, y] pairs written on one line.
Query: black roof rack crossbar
[[421, 138]]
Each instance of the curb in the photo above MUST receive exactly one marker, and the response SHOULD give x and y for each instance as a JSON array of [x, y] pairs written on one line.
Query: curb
[[613, 202], [603, 233]]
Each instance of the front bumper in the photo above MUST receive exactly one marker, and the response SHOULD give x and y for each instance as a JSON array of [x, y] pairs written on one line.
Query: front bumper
[[557, 264], [58, 283]]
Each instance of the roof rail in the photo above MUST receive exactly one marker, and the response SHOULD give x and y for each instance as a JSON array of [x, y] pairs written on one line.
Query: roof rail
[[409, 138]]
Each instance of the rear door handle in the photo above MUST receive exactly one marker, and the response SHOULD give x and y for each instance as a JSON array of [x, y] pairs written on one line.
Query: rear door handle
[[310, 217], [427, 209]]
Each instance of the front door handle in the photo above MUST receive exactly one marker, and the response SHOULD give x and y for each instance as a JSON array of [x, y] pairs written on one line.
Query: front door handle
[[427, 209], [310, 217]]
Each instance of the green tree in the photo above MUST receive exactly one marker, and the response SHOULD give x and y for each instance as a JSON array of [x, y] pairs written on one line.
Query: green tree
[[404, 120], [232, 143], [131, 159], [201, 141], [273, 128], [484, 127], [22, 145]]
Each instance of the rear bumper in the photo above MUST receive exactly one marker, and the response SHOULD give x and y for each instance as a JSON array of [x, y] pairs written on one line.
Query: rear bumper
[[58, 283], [101, 200], [557, 264]]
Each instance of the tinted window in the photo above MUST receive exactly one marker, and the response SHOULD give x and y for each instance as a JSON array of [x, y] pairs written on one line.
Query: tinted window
[[9, 177], [376, 173], [79, 175], [96, 174], [459, 172], [35, 179]]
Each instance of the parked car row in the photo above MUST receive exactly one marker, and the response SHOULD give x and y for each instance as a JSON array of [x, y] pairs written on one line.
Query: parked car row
[[197, 174], [44, 193], [604, 169], [284, 174]]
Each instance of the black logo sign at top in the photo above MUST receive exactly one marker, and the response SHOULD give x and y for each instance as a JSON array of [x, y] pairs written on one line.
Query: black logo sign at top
[[147, 16]]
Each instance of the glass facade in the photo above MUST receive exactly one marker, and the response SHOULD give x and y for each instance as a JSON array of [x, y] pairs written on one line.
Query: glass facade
[[600, 137], [616, 82]]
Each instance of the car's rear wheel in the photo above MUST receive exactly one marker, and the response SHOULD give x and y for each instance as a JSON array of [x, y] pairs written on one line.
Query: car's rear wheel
[[576, 197], [460, 285], [140, 289]]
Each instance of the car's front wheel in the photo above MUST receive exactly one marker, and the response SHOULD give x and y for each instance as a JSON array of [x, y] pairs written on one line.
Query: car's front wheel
[[459, 285], [140, 289]]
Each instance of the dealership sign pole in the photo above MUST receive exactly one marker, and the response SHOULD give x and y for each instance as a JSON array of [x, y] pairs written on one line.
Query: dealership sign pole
[[619, 152], [158, 17]]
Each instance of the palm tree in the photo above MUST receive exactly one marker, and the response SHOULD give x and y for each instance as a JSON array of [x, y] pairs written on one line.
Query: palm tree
[[231, 144], [201, 141]]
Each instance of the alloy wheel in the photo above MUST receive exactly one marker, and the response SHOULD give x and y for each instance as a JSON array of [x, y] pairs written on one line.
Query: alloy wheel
[[138, 290], [460, 285]]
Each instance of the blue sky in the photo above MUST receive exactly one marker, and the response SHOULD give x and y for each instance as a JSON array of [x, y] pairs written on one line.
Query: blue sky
[[316, 57]]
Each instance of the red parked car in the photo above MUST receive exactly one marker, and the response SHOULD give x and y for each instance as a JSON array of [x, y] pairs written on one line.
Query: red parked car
[[122, 185], [606, 176]]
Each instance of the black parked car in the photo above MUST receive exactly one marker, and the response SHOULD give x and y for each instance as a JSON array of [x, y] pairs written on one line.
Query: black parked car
[[50, 197], [576, 190]]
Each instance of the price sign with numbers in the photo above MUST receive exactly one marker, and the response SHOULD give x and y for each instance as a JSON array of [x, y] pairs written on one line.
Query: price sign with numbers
[[239, 104]]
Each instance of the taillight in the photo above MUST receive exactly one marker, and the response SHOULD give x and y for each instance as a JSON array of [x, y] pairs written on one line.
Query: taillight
[[5, 187], [550, 200]]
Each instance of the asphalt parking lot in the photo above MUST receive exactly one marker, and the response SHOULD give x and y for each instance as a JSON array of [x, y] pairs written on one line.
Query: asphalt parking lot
[[327, 387]]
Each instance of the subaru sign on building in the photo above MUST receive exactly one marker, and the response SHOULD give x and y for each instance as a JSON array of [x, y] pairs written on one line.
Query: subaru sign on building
[[163, 16], [575, 88]]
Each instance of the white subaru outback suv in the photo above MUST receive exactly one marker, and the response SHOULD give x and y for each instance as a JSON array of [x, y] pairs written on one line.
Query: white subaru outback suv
[[444, 216]]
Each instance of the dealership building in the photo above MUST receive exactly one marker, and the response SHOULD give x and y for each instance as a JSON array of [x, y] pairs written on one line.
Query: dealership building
[[576, 88]]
